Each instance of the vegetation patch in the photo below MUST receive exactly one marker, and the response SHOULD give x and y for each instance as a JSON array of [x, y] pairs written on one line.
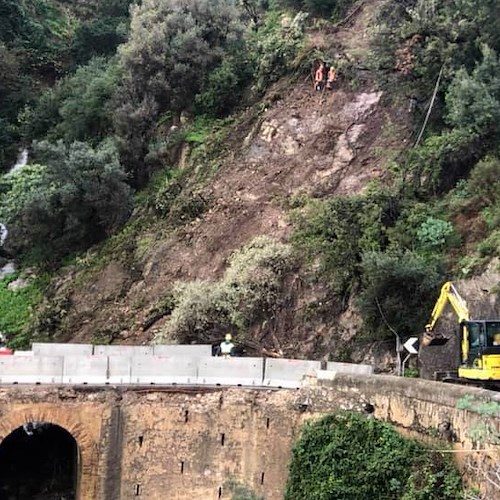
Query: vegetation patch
[[16, 309], [347, 455], [249, 292]]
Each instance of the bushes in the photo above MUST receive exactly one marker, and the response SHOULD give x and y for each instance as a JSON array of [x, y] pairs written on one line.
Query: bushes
[[274, 47], [434, 235], [347, 456], [484, 181], [399, 288], [334, 233], [16, 308], [325, 8], [79, 107], [473, 100], [77, 197], [248, 292], [172, 48]]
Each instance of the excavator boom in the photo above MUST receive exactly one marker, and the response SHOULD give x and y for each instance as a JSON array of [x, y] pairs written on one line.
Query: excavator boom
[[449, 294]]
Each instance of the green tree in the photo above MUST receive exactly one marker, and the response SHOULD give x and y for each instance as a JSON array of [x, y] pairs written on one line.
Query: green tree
[[75, 198], [398, 289], [434, 234], [172, 48], [473, 100], [102, 34], [336, 232], [78, 108]]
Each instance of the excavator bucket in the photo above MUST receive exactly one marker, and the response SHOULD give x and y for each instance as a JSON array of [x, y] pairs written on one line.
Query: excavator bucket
[[431, 338]]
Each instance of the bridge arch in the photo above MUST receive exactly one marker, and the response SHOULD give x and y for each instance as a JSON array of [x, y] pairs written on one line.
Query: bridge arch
[[48, 435]]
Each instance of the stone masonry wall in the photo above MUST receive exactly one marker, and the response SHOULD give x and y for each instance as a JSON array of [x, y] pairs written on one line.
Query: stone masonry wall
[[185, 443]]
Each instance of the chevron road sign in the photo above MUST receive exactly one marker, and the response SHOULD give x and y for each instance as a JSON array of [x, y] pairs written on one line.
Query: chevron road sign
[[410, 346]]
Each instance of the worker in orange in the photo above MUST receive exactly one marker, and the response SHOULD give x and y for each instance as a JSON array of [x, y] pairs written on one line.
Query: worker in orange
[[319, 76], [332, 76]]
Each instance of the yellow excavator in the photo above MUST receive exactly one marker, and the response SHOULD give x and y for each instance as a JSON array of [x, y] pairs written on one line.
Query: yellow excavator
[[479, 341]]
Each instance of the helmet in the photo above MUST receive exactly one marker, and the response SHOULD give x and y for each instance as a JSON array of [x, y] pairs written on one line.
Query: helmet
[[228, 337]]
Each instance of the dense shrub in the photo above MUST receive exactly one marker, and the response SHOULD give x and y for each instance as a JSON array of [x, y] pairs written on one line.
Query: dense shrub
[[74, 199], [102, 31], [398, 289], [439, 162], [274, 47], [336, 232], [484, 181], [248, 292], [325, 8], [473, 100], [79, 107], [435, 234], [348, 456], [224, 87], [172, 48]]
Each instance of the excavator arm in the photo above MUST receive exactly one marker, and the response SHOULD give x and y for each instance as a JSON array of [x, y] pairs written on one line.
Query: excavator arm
[[449, 294]]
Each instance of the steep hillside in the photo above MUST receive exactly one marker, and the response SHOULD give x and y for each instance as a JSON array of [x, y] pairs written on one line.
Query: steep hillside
[[186, 179], [296, 141]]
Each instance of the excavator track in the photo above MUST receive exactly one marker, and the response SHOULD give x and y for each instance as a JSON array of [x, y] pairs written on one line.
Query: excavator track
[[490, 385]]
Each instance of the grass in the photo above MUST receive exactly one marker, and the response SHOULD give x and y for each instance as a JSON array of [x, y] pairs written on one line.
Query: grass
[[16, 309]]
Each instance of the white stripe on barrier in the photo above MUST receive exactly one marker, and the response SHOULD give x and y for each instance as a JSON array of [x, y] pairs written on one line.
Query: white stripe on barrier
[[123, 350], [194, 350], [335, 366]]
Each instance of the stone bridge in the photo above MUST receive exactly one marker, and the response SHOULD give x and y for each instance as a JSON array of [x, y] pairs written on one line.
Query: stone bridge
[[184, 442]]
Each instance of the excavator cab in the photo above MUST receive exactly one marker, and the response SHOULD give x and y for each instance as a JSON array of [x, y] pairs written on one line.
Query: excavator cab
[[482, 338], [480, 350]]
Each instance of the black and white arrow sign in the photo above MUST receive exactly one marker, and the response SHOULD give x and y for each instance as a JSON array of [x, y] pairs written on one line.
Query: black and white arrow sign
[[409, 345]]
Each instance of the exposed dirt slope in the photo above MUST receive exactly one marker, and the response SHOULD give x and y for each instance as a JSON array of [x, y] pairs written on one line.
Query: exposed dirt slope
[[305, 141]]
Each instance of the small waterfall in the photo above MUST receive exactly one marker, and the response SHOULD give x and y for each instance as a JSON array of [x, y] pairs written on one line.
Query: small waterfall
[[3, 233], [9, 267], [22, 160]]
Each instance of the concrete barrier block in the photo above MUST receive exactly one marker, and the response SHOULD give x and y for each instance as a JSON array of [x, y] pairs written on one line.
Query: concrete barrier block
[[31, 369], [46, 349], [288, 373], [188, 350], [24, 353], [360, 369], [123, 350], [163, 370], [85, 370], [231, 371], [119, 369]]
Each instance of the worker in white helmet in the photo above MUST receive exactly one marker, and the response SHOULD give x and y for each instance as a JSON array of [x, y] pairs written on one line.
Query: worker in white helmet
[[227, 346]]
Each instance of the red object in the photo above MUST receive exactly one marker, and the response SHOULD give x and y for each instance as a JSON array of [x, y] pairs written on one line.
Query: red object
[[5, 351]]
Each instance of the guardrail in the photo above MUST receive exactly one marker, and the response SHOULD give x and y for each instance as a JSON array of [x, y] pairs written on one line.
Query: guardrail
[[183, 364]]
